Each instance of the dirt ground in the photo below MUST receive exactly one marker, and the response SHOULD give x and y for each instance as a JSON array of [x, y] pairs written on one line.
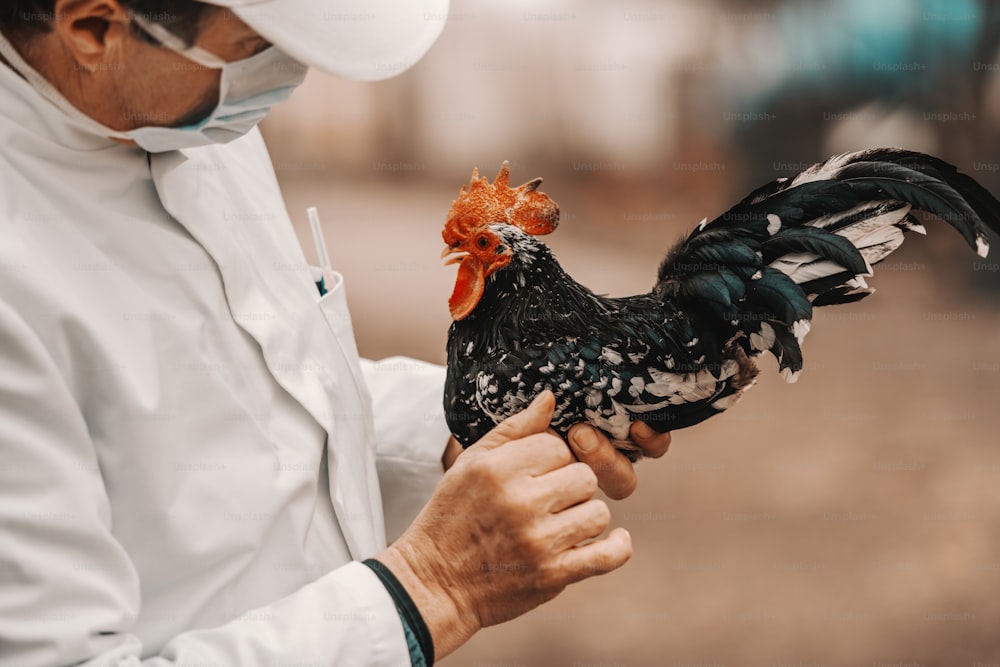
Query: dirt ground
[[850, 519]]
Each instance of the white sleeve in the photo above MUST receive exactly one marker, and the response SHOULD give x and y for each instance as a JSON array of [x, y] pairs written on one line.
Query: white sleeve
[[411, 435], [71, 593]]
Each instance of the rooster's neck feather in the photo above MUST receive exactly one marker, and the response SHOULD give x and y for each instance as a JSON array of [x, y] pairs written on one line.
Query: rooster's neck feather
[[531, 293]]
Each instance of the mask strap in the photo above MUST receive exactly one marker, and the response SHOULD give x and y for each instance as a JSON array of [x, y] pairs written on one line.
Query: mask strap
[[176, 44]]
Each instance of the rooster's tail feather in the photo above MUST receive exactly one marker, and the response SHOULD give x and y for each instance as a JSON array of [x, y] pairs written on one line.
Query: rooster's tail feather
[[812, 240]]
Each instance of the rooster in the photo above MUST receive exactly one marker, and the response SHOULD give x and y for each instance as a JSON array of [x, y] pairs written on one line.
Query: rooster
[[741, 285]]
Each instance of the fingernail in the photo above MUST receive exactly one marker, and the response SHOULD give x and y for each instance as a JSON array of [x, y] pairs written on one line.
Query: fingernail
[[539, 398], [584, 438]]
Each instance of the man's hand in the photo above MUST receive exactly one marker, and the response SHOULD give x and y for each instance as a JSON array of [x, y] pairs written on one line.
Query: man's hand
[[503, 532], [615, 474], [614, 471]]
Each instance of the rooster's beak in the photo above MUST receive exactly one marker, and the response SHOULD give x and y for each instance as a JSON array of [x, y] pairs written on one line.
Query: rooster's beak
[[453, 255]]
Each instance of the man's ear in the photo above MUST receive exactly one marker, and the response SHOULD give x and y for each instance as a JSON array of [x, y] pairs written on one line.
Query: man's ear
[[90, 29]]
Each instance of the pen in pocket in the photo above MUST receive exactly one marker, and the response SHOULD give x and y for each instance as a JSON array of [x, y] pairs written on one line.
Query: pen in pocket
[[326, 277]]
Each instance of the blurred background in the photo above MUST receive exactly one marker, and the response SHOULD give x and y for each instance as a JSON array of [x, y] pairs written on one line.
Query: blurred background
[[850, 519]]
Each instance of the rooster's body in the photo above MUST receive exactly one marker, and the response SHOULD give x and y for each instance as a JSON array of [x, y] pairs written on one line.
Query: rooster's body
[[744, 284]]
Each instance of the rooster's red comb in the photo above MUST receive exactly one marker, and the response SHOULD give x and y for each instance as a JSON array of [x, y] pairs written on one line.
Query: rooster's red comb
[[484, 203]]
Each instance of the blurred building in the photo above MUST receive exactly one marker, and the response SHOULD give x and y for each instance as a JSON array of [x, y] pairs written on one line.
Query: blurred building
[[568, 84], [637, 86]]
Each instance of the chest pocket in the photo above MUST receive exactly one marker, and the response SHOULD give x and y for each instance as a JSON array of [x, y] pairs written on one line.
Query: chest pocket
[[333, 306]]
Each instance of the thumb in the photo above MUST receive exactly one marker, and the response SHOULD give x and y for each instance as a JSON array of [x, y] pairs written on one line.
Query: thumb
[[533, 419]]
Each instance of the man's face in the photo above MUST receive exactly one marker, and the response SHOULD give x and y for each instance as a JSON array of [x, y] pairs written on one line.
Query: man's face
[[160, 87]]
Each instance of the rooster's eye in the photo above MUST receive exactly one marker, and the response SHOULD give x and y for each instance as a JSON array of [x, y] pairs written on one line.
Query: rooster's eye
[[482, 242]]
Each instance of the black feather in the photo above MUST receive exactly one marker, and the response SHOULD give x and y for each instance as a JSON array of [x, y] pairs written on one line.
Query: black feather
[[818, 242]]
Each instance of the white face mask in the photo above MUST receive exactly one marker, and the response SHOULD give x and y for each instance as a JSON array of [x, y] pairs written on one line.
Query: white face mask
[[248, 88]]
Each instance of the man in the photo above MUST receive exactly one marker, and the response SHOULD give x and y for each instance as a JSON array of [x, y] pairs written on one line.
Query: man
[[194, 458]]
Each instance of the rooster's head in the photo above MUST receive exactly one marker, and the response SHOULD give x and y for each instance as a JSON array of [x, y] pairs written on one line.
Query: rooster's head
[[478, 252]]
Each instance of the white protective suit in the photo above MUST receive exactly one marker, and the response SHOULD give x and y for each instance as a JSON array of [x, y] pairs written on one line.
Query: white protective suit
[[188, 463]]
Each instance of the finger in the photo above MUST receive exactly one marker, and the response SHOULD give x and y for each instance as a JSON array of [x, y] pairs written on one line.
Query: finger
[[576, 524], [597, 557], [653, 444], [535, 454], [567, 486], [614, 471], [451, 452], [533, 419]]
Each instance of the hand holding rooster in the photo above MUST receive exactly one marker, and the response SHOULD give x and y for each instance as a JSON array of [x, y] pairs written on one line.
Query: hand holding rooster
[[615, 474], [503, 532]]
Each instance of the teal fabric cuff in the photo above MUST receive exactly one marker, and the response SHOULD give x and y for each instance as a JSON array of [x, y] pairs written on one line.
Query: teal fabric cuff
[[418, 636], [417, 658]]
